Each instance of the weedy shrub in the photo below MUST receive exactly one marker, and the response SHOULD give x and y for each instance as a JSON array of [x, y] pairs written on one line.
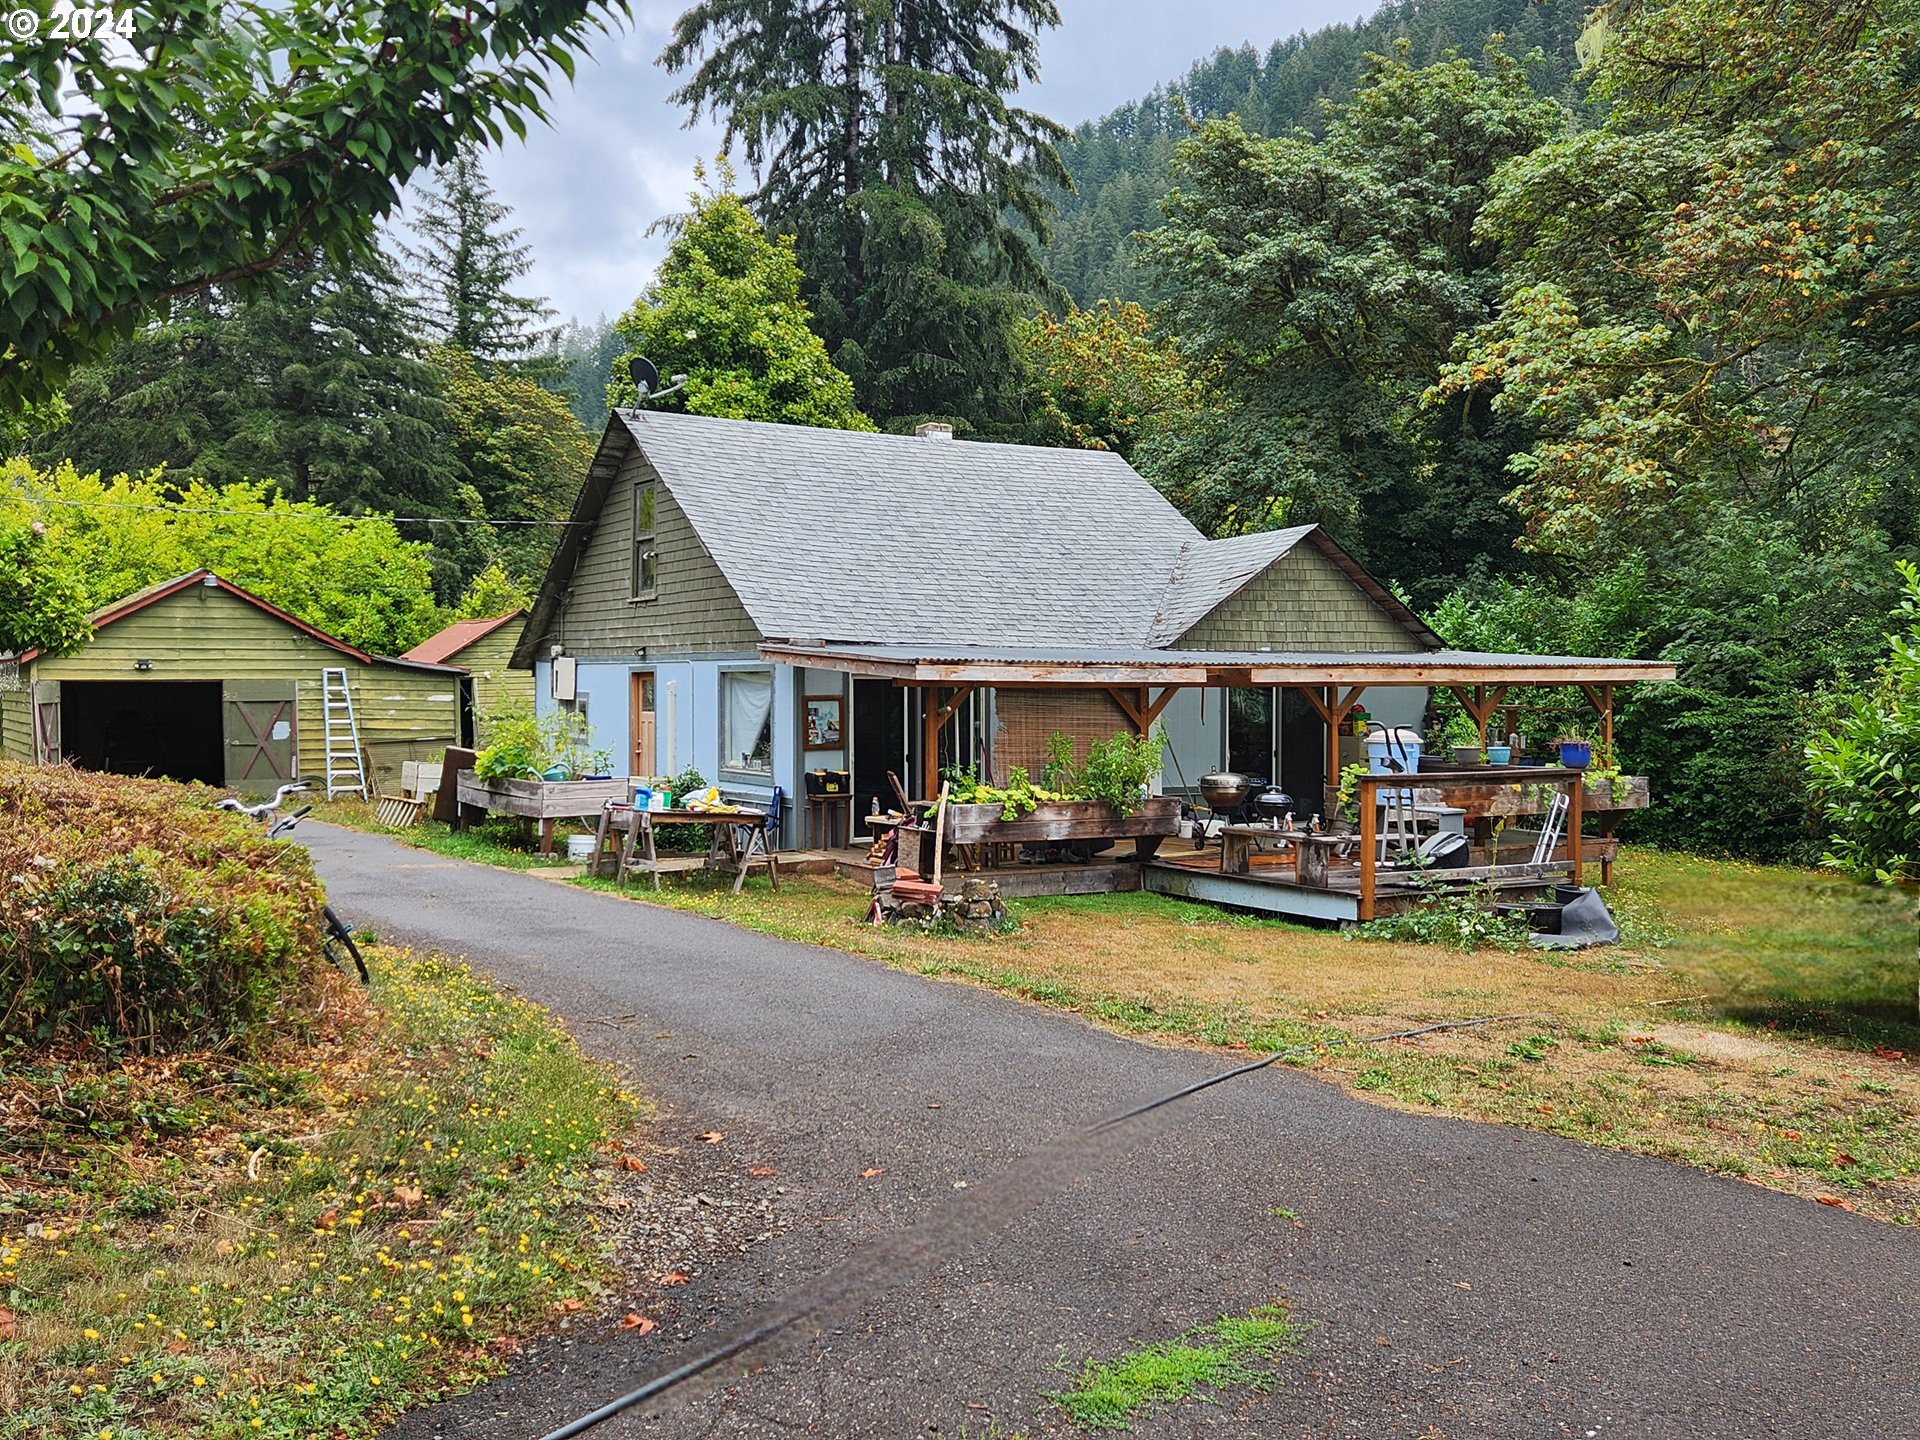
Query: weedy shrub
[[133, 912]]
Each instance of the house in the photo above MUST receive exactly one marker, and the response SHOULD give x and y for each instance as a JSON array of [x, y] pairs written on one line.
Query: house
[[197, 679], [727, 589], [484, 649]]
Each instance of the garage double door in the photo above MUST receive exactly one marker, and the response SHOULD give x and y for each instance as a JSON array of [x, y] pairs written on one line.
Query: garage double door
[[242, 734]]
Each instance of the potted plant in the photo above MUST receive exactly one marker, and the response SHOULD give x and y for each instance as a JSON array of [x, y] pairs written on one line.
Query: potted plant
[[1576, 751]]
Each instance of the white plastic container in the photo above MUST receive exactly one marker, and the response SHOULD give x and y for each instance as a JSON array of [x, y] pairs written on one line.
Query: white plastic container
[[580, 848]]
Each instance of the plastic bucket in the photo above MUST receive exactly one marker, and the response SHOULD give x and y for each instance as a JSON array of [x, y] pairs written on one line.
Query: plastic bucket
[[580, 847], [1400, 744]]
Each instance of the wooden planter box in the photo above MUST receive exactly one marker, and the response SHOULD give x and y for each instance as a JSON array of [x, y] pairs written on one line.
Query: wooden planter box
[[540, 799], [1064, 820]]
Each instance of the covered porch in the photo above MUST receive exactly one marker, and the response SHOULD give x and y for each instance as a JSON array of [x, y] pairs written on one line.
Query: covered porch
[[952, 695]]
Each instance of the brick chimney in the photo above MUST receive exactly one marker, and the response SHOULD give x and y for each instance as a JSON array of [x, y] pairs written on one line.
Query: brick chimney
[[933, 430]]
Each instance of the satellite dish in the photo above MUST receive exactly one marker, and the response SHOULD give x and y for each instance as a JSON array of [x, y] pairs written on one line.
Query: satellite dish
[[646, 375]]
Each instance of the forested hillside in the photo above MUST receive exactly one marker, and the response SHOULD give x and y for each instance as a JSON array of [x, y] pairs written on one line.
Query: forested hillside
[[1120, 162]]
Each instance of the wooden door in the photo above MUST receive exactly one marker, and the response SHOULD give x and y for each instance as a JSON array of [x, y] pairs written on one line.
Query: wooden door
[[260, 729], [46, 722], [643, 756]]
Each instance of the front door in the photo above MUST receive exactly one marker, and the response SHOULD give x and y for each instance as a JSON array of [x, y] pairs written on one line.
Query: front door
[[879, 733], [259, 727], [643, 756]]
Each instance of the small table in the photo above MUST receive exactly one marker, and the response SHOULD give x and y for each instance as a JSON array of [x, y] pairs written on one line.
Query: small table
[[739, 842], [823, 816], [1239, 842]]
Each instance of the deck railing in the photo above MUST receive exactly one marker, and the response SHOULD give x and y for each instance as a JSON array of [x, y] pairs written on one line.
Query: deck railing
[[1558, 777]]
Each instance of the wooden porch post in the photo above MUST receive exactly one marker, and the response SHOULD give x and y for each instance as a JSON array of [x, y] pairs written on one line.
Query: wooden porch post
[[1364, 792], [1331, 716], [1576, 799], [929, 740]]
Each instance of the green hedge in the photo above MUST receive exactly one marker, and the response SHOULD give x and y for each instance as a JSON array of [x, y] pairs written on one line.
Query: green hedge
[[134, 913]]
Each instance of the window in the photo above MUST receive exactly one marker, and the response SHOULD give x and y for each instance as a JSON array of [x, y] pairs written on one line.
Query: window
[[645, 558], [1250, 732], [746, 720]]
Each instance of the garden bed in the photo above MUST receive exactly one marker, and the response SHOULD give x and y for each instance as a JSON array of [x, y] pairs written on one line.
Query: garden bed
[[1052, 821]]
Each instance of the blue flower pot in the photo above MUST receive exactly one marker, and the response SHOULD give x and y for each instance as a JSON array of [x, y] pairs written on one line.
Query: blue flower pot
[[1576, 754]]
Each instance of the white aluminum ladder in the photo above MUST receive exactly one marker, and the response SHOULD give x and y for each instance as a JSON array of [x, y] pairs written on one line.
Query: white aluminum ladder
[[344, 773]]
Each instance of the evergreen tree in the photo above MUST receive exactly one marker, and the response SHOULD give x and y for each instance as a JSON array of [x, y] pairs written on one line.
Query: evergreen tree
[[521, 454], [465, 261], [1120, 163], [884, 142], [316, 384], [579, 357]]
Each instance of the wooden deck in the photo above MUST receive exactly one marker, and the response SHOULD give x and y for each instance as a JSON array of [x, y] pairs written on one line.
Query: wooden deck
[[1269, 886]]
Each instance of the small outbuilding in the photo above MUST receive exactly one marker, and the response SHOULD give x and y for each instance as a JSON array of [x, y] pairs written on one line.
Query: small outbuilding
[[484, 649], [198, 679]]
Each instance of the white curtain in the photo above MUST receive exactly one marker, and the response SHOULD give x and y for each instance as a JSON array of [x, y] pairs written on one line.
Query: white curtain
[[746, 702]]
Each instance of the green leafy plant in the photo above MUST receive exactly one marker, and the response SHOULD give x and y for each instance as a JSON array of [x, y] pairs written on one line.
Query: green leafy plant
[[524, 746], [1117, 769], [1865, 766], [1459, 922], [1057, 773], [1350, 787]]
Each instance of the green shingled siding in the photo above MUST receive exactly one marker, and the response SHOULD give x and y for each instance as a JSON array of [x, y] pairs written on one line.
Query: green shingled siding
[[495, 682], [1303, 601], [16, 724], [693, 607], [202, 633]]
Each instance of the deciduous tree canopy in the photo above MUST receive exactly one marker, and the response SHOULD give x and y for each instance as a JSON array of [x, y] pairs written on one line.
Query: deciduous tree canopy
[[220, 140], [725, 311]]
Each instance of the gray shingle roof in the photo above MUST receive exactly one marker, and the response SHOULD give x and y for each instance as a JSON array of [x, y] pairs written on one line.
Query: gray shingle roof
[[839, 535]]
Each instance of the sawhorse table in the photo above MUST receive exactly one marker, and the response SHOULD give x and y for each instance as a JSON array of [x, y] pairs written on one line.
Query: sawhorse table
[[739, 842]]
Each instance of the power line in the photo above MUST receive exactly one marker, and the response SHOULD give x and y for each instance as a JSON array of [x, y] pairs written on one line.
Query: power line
[[281, 514]]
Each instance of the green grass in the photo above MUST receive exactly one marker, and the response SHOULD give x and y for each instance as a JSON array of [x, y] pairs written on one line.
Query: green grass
[[1233, 1351], [361, 1227], [1783, 949]]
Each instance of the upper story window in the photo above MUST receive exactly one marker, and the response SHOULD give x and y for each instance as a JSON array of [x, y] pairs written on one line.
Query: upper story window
[[645, 557]]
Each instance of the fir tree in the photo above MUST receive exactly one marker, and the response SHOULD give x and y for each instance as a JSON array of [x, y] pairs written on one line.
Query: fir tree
[[464, 263], [316, 384], [884, 143]]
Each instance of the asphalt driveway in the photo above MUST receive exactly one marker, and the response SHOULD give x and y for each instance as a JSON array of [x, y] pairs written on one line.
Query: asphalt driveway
[[1459, 1279]]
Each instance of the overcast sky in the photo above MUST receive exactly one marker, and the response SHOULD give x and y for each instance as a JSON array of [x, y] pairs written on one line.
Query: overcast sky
[[617, 156]]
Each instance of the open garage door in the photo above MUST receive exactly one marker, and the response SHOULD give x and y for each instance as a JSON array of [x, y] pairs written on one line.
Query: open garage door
[[262, 735], [167, 728]]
